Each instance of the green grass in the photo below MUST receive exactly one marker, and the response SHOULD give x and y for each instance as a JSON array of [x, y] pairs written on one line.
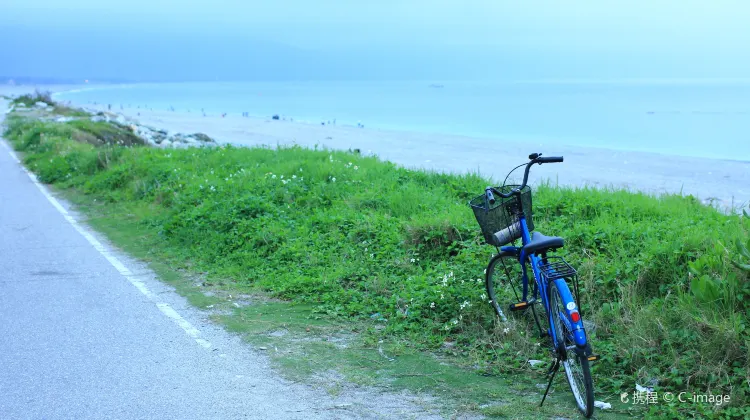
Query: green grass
[[352, 243], [29, 99]]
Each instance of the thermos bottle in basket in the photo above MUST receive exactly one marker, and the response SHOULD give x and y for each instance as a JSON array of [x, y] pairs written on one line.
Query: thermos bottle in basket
[[509, 234]]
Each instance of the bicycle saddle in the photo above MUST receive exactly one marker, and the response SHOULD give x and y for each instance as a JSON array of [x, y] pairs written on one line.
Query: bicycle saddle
[[541, 243]]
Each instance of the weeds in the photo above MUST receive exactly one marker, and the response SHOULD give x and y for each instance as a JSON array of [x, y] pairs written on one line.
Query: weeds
[[29, 99]]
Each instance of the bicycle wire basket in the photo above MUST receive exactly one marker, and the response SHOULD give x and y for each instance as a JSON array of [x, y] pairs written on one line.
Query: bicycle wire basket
[[553, 268], [499, 222]]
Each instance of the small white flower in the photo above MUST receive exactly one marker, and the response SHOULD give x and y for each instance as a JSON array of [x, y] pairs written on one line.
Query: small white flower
[[333, 179], [442, 296], [282, 176], [212, 188], [226, 179], [356, 167], [294, 176], [300, 169], [212, 172], [201, 186], [432, 305], [413, 260], [372, 255], [455, 322], [506, 331], [273, 176]]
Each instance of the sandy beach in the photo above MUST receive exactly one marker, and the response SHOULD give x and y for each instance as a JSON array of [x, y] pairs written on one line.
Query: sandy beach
[[724, 182]]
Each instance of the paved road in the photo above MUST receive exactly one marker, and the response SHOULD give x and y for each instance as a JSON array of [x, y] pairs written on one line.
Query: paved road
[[79, 341]]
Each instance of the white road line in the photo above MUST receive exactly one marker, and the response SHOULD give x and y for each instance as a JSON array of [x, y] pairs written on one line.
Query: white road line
[[167, 310]]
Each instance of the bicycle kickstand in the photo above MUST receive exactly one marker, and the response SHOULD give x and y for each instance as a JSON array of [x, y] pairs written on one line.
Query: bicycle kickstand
[[552, 370]]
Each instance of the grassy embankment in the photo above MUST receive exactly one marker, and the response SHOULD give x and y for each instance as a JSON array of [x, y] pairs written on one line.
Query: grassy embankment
[[385, 262]]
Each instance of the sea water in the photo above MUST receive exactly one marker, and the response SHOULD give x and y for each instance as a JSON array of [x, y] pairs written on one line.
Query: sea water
[[702, 118]]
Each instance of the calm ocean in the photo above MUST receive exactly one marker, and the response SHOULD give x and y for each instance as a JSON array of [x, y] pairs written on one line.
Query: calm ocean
[[690, 118]]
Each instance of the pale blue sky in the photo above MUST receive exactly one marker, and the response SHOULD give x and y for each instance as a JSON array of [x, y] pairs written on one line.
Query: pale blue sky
[[697, 38]]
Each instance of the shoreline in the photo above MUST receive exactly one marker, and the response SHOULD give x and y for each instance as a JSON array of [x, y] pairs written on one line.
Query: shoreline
[[724, 182], [133, 113]]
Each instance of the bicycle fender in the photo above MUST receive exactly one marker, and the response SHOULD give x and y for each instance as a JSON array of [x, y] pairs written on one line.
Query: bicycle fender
[[579, 334]]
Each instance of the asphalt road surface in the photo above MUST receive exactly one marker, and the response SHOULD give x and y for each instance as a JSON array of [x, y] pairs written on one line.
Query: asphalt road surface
[[86, 332]]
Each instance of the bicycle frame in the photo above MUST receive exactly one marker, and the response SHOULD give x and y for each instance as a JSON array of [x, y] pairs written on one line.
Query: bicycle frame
[[542, 286]]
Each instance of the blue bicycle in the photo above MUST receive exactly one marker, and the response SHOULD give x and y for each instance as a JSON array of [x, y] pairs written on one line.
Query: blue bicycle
[[505, 220]]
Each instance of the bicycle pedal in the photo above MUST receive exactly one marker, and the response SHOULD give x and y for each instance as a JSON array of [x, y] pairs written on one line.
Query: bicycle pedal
[[520, 306]]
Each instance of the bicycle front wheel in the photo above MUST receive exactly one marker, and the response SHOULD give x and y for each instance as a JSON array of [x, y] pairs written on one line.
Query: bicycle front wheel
[[576, 364], [503, 281]]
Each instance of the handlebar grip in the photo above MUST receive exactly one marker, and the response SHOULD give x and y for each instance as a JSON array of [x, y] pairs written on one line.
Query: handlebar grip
[[550, 159], [490, 196]]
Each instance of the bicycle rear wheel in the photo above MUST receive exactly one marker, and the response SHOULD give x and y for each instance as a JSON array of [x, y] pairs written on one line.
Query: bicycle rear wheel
[[576, 364]]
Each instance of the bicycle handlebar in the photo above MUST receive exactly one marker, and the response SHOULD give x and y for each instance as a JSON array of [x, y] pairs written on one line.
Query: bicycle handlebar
[[534, 158], [554, 159]]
